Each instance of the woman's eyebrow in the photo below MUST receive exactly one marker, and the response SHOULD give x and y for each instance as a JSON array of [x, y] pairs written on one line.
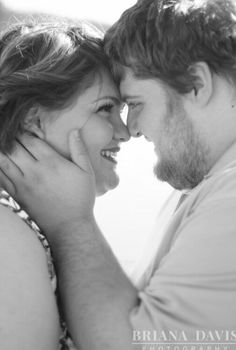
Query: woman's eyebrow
[[116, 100]]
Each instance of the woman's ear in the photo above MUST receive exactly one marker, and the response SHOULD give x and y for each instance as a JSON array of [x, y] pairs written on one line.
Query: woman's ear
[[203, 84], [34, 122]]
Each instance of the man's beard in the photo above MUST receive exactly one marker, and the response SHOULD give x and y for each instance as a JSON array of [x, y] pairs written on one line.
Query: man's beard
[[184, 156]]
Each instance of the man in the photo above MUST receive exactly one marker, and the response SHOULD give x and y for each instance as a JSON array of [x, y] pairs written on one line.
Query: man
[[175, 63]]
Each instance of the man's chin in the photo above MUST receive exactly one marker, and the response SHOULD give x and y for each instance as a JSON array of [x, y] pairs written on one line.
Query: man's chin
[[176, 176], [168, 173]]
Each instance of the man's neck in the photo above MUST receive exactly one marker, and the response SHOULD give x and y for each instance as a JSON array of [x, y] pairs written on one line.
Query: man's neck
[[225, 161]]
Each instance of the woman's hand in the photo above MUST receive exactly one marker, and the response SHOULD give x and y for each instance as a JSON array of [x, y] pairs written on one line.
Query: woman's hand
[[53, 190]]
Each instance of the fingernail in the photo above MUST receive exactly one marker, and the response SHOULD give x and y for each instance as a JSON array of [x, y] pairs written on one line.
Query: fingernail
[[76, 133]]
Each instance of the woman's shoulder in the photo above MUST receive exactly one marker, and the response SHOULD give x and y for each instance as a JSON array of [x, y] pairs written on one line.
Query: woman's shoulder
[[25, 286], [22, 220], [20, 251], [14, 231]]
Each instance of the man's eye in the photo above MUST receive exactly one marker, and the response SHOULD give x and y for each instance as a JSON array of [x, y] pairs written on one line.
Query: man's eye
[[132, 105], [123, 107], [106, 108]]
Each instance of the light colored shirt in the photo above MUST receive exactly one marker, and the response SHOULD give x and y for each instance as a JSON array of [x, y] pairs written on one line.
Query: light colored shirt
[[192, 285]]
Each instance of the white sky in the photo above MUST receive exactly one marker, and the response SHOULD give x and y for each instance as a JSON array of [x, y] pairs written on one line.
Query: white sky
[[99, 10], [127, 214]]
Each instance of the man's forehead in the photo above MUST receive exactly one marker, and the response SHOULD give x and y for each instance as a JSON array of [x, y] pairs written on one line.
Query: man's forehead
[[131, 86], [125, 89], [127, 76]]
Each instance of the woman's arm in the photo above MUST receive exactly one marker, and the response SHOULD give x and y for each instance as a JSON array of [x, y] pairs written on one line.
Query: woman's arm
[[28, 317]]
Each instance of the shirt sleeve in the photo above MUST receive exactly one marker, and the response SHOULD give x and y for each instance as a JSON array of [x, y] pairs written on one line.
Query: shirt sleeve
[[194, 286]]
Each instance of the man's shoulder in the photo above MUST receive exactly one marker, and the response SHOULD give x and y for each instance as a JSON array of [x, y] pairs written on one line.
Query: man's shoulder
[[209, 207]]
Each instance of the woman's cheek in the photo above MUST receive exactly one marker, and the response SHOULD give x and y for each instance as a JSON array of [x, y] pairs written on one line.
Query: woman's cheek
[[99, 133]]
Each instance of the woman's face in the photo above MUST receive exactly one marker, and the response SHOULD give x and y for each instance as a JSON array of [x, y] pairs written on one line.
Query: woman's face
[[96, 112]]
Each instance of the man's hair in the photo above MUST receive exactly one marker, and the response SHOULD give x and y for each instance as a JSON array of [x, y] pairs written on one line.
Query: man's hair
[[44, 64], [164, 38]]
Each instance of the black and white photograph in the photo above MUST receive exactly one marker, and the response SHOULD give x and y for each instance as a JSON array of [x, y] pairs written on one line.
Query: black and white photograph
[[118, 175]]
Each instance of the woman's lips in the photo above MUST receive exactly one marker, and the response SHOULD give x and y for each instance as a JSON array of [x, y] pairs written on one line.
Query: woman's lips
[[110, 154]]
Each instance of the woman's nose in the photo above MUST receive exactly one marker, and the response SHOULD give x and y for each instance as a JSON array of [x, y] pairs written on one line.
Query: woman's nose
[[121, 132]]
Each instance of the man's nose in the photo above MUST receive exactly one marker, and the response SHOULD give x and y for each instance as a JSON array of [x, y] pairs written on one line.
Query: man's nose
[[133, 127]]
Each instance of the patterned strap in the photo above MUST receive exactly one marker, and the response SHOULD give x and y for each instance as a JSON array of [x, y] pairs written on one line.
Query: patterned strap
[[65, 342]]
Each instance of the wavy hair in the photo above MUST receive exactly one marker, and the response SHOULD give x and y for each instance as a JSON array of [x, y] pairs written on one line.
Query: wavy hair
[[44, 64], [164, 38]]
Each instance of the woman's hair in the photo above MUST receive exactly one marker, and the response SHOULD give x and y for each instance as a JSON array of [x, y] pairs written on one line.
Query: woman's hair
[[44, 65], [164, 38]]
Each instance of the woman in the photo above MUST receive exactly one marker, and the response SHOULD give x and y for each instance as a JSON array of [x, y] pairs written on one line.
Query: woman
[[53, 79]]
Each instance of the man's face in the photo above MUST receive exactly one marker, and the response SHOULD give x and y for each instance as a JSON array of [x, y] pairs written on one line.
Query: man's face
[[158, 113]]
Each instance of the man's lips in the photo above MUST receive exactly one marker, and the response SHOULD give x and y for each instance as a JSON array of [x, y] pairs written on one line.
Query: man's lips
[[110, 154]]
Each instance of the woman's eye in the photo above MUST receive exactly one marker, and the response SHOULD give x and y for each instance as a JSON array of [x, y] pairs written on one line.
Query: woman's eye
[[106, 108]]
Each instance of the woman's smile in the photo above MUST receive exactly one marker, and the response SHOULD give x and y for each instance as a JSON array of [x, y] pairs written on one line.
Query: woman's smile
[[96, 112]]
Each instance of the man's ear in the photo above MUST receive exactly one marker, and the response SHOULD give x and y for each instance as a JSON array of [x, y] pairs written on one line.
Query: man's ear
[[203, 84], [33, 122]]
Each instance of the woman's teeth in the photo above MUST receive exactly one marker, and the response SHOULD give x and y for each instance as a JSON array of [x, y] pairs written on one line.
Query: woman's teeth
[[109, 155]]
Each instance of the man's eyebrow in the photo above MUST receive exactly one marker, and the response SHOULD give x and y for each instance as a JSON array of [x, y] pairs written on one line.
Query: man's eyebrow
[[128, 97]]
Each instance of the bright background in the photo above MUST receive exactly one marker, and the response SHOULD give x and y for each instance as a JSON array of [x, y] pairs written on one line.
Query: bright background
[[127, 214]]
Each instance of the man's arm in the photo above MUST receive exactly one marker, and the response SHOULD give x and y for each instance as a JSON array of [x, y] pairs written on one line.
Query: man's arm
[[192, 288], [96, 294]]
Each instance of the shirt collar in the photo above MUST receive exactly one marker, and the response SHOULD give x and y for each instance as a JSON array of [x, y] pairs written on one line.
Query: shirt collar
[[226, 162]]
